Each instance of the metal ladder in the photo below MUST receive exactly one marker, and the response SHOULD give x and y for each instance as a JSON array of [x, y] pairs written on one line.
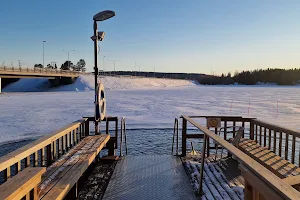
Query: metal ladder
[[175, 132], [123, 134]]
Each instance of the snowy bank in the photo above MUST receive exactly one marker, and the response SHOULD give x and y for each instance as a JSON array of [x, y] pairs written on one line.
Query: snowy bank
[[86, 83], [28, 85]]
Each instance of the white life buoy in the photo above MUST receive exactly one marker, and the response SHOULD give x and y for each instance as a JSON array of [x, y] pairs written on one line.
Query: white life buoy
[[101, 103]]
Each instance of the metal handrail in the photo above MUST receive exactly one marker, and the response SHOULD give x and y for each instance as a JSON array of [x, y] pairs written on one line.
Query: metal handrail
[[123, 132], [175, 132]]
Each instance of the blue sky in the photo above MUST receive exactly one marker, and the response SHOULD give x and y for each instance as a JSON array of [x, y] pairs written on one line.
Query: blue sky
[[172, 35]]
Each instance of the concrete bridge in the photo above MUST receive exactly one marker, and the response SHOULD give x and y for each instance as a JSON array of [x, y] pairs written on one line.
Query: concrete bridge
[[56, 77]]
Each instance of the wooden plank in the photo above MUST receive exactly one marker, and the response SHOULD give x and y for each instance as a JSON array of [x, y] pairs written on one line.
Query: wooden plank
[[273, 182], [260, 135], [70, 178], [292, 180], [274, 141], [293, 149], [273, 162], [22, 183], [286, 150], [7, 173], [17, 167], [60, 167], [23, 152], [280, 144], [258, 184], [256, 133], [270, 139], [35, 159], [265, 136], [251, 131]]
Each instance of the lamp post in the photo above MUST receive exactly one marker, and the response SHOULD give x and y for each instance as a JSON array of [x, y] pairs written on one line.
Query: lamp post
[[69, 58], [101, 16], [114, 61], [44, 53]]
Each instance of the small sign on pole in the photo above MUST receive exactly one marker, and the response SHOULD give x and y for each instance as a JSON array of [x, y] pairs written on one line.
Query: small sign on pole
[[213, 122]]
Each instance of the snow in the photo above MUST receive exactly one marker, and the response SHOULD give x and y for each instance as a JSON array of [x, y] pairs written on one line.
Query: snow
[[146, 103], [86, 83], [27, 85], [215, 185]]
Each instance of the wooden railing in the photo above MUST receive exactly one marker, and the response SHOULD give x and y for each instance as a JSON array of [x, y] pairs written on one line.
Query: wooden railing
[[282, 141], [39, 71], [261, 179], [44, 151], [226, 121]]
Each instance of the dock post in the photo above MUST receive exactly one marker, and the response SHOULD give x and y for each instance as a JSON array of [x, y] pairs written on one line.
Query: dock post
[[87, 128], [251, 130], [184, 123]]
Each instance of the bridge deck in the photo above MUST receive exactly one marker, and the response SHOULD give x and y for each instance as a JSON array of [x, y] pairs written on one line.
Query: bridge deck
[[149, 177]]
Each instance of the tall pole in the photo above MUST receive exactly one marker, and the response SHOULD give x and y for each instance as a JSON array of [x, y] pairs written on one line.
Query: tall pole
[[96, 71], [115, 66], [68, 60], [154, 72], [44, 53]]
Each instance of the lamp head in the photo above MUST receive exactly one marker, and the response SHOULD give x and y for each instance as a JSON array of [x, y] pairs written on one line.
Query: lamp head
[[104, 15]]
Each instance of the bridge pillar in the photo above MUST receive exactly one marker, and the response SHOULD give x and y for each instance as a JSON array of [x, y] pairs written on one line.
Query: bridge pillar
[[55, 82]]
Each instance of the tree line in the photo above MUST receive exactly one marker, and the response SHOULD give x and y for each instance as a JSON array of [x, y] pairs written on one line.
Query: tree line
[[277, 76], [67, 65]]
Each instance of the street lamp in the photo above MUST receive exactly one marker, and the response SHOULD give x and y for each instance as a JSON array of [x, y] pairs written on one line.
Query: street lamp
[[69, 58], [114, 61], [101, 16], [44, 53]]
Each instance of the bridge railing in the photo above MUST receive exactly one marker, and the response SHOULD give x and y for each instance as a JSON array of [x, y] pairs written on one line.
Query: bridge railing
[[39, 70]]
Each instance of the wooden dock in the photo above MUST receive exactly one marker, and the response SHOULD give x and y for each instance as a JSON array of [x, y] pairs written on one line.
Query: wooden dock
[[267, 163]]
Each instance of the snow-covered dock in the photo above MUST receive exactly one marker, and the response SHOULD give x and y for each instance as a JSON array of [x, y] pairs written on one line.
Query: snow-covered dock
[[222, 178]]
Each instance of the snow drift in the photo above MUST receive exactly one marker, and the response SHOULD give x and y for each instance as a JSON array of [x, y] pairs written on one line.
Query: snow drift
[[28, 85], [86, 83]]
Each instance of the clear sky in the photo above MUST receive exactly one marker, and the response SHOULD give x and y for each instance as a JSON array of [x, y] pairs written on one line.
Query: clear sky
[[172, 35]]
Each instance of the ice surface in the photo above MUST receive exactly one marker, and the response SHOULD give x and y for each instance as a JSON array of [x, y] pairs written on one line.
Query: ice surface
[[24, 115]]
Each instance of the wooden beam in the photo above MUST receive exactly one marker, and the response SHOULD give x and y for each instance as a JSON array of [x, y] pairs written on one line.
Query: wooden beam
[[258, 185], [22, 183], [292, 180]]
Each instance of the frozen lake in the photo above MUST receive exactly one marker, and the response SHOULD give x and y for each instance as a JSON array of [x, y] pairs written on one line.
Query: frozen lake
[[28, 115]]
